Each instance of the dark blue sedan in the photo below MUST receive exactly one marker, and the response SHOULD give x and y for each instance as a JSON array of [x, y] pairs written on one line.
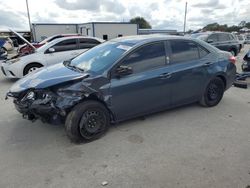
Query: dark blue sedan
[[124, 78]]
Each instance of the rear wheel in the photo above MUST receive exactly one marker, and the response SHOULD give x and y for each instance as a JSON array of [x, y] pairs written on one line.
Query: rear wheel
[[31, 68], [87, 121], [213, 93]]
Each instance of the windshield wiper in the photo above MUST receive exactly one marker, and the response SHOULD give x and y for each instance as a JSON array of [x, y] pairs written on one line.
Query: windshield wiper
[[72, 67]]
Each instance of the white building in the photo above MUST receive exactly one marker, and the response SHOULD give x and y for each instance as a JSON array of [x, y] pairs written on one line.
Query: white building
[[104, 30], [41, 31], [108, 30]]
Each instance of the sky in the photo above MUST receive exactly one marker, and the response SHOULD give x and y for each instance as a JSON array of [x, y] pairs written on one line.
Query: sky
[[161, 14]]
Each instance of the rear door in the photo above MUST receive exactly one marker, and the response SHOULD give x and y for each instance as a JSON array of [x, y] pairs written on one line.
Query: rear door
[[64, 50], [224, 41], [189, 62], [147, 89]]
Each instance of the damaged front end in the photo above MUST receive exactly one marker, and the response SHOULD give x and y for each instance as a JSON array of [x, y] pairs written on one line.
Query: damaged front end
[[51, 105]]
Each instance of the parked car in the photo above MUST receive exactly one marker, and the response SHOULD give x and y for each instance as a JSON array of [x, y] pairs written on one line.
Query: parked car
[[247, 40], [241, 39], [222, 40], [6, 44], [27, 49], [122, 79], [51, 53]]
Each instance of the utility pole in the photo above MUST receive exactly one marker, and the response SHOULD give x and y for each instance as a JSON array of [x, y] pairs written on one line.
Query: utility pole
[[184, 29], [28, 13]]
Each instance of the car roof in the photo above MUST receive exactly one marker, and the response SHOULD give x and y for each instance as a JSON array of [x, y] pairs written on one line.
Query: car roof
[[137, 39], [75, 37], [210, 32]]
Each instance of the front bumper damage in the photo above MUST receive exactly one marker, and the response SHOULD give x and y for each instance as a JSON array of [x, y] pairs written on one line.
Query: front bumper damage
[[47, 106]]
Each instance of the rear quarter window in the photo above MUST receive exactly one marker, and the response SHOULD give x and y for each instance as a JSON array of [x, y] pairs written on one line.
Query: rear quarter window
[[202, 52]]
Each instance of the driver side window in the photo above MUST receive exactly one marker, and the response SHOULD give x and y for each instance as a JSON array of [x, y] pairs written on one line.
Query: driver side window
[[66, 45], [146, 58]]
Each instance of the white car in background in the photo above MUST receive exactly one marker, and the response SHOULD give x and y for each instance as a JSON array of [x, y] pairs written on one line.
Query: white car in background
[[58, 50]]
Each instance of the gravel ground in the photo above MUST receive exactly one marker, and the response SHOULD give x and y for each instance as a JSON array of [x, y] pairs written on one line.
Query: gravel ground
[[187, 147]]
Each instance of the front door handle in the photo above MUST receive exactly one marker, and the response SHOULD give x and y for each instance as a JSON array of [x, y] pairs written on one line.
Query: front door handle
[[165, 75], [207, 64]]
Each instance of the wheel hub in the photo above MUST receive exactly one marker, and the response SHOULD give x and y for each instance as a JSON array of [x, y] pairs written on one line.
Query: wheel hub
[[213, 92], [91, 122], [32, 69]]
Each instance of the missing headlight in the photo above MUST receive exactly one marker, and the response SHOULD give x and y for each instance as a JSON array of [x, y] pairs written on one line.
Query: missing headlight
[[30, 95]]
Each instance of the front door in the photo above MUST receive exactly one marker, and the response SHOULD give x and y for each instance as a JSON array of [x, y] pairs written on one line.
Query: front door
[[64, 50], [147, 89]]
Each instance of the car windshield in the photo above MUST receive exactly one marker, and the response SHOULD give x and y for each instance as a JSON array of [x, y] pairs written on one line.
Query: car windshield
[[200, 36], [100, 57], [44, 47], [45, 40]]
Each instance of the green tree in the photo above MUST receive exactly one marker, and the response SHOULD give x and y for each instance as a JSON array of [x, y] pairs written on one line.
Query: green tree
[[143, 24]]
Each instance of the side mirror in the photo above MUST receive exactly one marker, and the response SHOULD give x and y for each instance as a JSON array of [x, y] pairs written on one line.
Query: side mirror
[[123, 71], [210, 41], [51, 50]]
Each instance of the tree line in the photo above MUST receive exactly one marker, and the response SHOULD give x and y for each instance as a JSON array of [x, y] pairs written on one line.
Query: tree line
[[226, 28]]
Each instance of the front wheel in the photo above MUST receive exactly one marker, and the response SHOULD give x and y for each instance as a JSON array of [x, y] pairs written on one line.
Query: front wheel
[[213, 93], [31, 68], [87, 121]]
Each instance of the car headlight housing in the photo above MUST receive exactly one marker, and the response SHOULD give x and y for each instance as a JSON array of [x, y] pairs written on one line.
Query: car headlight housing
[[30, 95], [43, 96]]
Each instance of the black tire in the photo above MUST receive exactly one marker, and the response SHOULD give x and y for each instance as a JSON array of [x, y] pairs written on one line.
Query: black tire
[[87, 121], [213, 93], [31, 66]]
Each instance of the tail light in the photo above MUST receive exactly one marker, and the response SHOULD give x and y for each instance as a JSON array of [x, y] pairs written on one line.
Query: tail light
[[232, 59]]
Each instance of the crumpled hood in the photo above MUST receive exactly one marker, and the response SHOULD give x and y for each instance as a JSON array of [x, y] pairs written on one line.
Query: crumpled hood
[[47, 77]]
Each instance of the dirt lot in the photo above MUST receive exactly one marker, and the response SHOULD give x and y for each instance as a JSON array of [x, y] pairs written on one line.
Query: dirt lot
[[191, 147]]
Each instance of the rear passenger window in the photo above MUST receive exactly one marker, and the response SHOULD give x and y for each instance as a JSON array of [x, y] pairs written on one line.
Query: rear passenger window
[[223, 37], [147, 57], [213, 37], [87, 43], [183, 51], [65, 45]]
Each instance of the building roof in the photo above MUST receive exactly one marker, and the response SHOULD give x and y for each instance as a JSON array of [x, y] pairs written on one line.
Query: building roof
[[82, 23]]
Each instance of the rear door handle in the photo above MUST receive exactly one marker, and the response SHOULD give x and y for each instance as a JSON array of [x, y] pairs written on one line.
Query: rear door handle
[[165, 75], [207, 64]]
